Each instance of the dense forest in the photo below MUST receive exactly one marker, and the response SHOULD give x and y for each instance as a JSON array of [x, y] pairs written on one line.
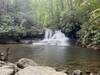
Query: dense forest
[[78, 19]]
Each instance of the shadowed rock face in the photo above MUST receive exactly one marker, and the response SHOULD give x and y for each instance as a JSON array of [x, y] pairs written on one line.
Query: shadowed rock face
[[39, 70]]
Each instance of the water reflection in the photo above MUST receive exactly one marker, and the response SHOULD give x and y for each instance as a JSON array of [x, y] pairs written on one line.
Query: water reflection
[[56, 56]]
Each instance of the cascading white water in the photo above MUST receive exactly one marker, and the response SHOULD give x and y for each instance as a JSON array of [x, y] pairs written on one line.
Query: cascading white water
[[58, 38], [48, 33]]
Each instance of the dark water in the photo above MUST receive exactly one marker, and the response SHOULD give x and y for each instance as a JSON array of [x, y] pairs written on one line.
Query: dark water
[[61, 57]]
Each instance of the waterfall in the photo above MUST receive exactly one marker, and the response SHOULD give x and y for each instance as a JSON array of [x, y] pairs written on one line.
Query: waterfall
[[58, 38], [48, 33]]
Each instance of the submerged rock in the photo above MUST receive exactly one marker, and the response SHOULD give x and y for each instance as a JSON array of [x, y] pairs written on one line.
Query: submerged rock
[[89, 73], [39, 70], [98, 73], [24, 62]]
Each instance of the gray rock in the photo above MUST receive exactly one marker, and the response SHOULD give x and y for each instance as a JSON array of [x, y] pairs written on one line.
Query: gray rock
[[77, 72], [39, 70], [24, 62], [7, 70]]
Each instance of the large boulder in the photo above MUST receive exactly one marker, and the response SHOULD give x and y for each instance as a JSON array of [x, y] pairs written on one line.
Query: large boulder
[[7, 70], [24, 62], [38, 70]]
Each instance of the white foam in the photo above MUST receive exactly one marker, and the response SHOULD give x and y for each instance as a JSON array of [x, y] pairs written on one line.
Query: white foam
[[58, 39]]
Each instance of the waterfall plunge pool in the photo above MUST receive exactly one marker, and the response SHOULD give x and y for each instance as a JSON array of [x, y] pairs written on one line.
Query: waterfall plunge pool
[[55, 51], [55, 56]]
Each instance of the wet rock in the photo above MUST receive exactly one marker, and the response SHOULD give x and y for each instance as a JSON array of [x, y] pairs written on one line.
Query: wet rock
[[77, 72], [24, 62], [89, 46], [39, 70], [89, 73], [98, 73], [2, 63], [96, 47], [2, 57], [64, 71]]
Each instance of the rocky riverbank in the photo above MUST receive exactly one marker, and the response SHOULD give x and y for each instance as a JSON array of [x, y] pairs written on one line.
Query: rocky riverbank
[[28, 67], [95, 47]]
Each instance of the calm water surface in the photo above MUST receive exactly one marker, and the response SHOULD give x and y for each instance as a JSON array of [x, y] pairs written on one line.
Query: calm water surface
[[61, 57]]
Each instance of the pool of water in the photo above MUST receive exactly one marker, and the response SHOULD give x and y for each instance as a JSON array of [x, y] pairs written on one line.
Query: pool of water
[[61, 57]]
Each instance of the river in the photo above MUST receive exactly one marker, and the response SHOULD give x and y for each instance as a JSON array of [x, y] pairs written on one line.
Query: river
[[61, 57]]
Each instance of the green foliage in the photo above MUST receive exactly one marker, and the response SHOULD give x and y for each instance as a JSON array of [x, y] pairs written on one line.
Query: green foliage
[[90, 29], [76, 18], [72, 20], [6, 22], [47, 12]]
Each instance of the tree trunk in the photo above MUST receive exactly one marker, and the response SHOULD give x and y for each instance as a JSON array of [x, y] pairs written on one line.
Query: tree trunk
[[70, 4], [62, 5]]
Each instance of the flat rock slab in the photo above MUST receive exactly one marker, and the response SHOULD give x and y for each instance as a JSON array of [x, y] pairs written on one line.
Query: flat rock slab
[[39, 70]]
